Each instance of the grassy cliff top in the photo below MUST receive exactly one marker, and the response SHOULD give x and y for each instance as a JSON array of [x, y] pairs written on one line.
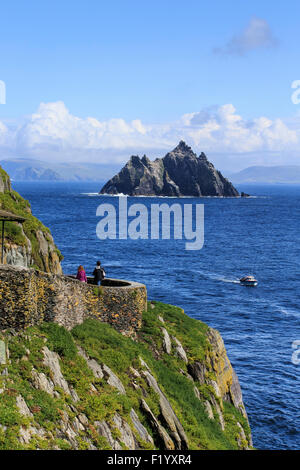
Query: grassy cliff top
[[11, 201], [54, 408]]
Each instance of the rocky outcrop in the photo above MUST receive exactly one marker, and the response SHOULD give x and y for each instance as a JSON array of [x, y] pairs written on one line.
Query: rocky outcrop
[[4, 181], [28, 244], [93, 388], [227, 382], [179, 173], [173, 424]]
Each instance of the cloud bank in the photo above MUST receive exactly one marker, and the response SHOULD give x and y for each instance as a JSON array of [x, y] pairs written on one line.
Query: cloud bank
[[54, 133], [256, 35]]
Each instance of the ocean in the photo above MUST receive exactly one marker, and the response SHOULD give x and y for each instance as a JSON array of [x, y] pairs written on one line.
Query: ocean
[[258, 235]]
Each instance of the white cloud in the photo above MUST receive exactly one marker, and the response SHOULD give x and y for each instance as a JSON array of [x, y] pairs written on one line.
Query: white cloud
[[256, 35], [54, 133]]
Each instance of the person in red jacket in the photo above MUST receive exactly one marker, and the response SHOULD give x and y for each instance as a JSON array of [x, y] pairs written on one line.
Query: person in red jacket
[[81, 275]]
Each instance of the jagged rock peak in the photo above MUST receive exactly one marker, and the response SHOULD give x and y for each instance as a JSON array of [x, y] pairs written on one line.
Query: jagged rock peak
[[146, 160], [179, 173], [182, 149], [203, 157], [135, 159]]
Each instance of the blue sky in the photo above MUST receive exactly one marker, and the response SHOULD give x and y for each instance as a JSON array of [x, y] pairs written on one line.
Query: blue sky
[[149, 63]]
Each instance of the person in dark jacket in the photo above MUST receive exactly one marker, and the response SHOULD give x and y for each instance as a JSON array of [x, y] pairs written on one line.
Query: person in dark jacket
[[99, 274]]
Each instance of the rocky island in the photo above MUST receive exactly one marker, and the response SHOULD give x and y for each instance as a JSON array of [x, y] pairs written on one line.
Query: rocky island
[[179, 173]]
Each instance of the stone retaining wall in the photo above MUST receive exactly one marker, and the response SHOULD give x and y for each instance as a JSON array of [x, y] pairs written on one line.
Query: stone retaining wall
[[29, 297]]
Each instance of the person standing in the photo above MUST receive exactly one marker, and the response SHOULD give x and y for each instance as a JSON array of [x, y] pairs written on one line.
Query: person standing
[[81, 275], [98, 273]]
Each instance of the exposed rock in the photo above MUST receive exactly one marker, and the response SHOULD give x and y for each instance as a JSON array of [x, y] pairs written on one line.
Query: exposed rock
[[93, 365], [144, 364], [18, 251], [165, 439], [96, 368], [242, 439], [180, 351], [41, 382], [127, 436], [197, 370], [51, 359], [23, 408], [227, 380], [176, 430], [83, 419], [5, 184], [221, 418], [2, 350], [104, 430], [215, 386], [236, 394], [209, 410], [77, 425], [186, 374], [93, 388], [135, 372], [26, 434], [74, 395], [179, 173], [141, 430], [166, 341], [67, 432], [112, 379]]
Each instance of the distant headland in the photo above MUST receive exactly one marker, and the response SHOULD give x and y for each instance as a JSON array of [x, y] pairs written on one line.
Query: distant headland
[[179, 173]]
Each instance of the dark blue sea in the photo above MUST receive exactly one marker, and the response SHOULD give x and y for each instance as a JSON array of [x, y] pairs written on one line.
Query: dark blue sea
[[258, 235]]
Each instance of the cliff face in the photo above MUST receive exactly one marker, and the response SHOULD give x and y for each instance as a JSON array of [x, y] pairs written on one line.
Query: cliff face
[[93, 388], [179, 173], [28, 244]]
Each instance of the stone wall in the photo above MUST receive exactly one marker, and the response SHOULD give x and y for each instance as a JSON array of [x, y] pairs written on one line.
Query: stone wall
[[29, 297]]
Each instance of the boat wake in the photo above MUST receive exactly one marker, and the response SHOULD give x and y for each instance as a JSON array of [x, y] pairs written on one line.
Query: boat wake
[[218, 277]]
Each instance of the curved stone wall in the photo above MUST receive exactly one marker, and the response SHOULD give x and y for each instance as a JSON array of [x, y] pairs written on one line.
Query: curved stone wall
[[28, 297]]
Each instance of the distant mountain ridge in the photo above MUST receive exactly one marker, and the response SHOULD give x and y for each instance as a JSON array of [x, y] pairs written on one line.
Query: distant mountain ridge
[[179, 173], [23, 169], [281, 174]]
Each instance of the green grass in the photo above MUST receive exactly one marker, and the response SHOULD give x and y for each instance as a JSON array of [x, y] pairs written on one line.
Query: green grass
[[191, 333], [59, 340], [13, 202], [103, 343]]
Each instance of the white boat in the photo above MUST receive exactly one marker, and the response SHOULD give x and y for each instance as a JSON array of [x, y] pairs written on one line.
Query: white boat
[[248, 281]]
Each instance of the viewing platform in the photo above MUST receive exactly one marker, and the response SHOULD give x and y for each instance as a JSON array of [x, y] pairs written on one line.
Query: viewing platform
[[29, 297]]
